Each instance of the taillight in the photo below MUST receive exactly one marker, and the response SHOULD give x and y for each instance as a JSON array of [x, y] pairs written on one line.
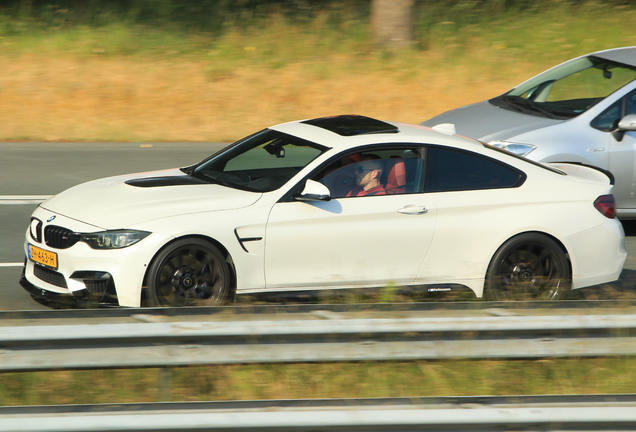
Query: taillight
[[605, 204]]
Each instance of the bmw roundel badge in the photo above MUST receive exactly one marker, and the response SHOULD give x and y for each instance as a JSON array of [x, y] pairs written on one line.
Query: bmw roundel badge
[[51, 218]]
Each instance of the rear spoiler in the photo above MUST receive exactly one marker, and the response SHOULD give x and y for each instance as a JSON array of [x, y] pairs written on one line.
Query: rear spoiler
[[604, 171]]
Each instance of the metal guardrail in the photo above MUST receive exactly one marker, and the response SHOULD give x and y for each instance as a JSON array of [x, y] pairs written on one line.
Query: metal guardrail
[[321, 337], [583, 412]]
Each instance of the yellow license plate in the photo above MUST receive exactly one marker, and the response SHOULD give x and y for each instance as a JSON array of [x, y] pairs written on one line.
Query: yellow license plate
[[42, 256]]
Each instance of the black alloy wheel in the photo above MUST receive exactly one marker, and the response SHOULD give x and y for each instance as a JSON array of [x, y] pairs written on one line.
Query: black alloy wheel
[[528, 267], [189, 272]]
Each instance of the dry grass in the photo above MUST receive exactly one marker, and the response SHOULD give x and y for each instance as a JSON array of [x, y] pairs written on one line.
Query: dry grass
[[113, 99], [140, 84], [67, 97]]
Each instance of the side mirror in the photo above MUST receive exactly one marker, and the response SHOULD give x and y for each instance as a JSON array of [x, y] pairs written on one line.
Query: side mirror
[[314, 191], [626, 124]]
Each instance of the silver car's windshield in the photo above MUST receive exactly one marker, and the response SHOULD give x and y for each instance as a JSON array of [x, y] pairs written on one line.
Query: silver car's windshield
[[261, 162], [568, 90]]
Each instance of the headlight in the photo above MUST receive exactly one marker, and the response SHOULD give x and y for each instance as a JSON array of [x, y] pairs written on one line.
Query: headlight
[[115, 239], [513, 147]]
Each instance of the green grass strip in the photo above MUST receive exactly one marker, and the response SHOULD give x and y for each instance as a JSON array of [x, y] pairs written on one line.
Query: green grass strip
[[326, 380]]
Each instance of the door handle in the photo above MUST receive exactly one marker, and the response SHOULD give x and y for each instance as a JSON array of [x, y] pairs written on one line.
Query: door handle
[[413, 209]]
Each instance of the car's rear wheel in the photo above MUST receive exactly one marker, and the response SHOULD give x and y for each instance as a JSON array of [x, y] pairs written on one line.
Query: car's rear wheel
[[189, 272], [528, 267]]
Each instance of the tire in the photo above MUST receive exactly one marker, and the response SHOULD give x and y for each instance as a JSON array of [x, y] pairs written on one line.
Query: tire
[[189, 272], [528, 267]]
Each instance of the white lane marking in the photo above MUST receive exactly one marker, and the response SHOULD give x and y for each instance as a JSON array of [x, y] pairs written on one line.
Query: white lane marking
[[23, 199], [11, 264]]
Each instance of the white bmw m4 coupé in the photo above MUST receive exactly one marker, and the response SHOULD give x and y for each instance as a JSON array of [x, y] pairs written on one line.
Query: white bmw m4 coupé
[[334, 202]]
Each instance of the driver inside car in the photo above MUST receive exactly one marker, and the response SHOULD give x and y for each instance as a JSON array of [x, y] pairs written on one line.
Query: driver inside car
[[368, 173]]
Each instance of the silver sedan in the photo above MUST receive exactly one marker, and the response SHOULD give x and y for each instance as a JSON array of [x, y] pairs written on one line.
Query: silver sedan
[[583, 110]]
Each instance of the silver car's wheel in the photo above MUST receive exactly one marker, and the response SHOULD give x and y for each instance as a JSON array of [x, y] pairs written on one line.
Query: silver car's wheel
[[528, 267], [189, 272]]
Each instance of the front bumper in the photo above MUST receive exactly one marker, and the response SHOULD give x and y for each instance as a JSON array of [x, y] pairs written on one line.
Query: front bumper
[[75, 299], [94, 276]]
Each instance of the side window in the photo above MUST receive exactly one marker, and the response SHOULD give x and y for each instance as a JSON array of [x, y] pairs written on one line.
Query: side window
[[630, 106], [380, 171], [608, 120], [454, 170]]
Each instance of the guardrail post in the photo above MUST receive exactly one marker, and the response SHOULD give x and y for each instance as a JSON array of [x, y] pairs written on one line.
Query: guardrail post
[[165, 384]]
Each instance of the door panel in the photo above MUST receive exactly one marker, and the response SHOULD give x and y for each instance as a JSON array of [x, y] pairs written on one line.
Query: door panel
[[623, 166], [348, 241]]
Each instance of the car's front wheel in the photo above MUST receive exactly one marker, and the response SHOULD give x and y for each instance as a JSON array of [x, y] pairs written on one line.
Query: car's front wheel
[[189, 272], [527, 267]]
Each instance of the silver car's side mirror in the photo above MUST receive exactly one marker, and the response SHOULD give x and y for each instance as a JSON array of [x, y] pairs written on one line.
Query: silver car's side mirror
[[626, 124], [314, 191]]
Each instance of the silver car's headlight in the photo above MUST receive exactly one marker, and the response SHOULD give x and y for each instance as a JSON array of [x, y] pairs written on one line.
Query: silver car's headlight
[[514, 147], [115, 239]]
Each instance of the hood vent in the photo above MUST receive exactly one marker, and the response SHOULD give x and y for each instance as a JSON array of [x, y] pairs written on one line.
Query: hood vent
[[165, 181]]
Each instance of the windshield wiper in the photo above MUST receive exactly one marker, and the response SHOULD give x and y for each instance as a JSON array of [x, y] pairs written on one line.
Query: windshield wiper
[[506, 102], [527, 107], [211, 179], [533, 106]]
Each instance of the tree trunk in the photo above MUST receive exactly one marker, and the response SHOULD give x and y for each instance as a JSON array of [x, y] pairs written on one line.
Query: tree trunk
[[392, 23]]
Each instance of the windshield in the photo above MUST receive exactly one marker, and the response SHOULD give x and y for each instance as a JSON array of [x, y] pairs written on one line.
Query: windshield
[[568, 90], [261, 162]]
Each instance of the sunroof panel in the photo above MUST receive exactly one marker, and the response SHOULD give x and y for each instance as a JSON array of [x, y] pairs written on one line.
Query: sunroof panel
[[350, 125]]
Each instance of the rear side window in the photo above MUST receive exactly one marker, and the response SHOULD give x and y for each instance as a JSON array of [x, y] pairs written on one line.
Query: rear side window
[[455, 170]]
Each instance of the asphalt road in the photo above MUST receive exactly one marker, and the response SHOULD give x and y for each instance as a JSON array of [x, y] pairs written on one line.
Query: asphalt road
[[32, 170]]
